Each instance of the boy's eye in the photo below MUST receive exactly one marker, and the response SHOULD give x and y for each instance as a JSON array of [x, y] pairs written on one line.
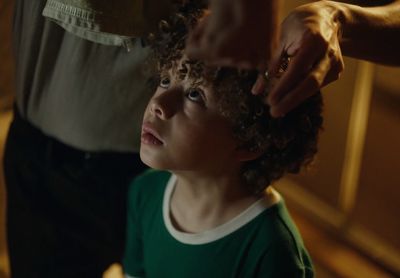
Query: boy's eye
[[195, 95], [165, 82]]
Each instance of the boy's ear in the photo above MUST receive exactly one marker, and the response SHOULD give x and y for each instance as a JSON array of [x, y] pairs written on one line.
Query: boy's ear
[[244, 154]]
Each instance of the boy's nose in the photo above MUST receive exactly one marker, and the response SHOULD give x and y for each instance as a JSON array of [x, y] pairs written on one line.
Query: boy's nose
[[158, 110], [164, 105]]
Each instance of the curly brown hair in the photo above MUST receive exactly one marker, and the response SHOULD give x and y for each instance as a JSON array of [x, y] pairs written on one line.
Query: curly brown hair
[[286, 144]]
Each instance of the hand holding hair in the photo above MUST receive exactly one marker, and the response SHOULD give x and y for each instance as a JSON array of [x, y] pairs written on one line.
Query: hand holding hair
[[316, 35]]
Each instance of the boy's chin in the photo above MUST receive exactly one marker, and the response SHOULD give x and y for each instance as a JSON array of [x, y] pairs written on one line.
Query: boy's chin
[[152, 163], [145, 160]]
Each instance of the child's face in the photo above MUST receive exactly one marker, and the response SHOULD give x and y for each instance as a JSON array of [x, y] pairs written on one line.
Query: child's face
[[183, 129]]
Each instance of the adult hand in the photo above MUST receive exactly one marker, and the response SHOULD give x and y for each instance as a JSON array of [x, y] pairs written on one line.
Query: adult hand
[[237, 33], [310, 36]]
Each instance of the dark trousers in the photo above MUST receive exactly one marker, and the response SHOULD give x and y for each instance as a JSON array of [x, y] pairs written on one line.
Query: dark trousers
[[66, 208]]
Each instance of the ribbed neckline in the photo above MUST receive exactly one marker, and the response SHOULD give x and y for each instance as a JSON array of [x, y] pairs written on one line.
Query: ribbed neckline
[[220, 231]]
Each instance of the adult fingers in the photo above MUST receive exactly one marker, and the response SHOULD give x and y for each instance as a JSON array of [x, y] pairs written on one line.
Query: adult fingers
[[309, 86], [225, 48], [194, 43], [313, 47], [276, 59], [298, 68], [259, 86], [215, 50]]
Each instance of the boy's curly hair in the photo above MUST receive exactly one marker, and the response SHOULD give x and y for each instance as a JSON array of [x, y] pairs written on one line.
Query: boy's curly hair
[[285, 144]]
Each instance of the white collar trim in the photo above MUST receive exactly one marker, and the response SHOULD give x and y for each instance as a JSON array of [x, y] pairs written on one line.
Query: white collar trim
[[218, 232]]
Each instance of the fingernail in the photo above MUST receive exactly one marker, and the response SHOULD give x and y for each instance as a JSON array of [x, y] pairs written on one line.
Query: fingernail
[[257, 87], [276, 114]]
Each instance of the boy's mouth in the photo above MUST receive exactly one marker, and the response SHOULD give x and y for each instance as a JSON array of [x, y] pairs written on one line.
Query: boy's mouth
[[150, 136]]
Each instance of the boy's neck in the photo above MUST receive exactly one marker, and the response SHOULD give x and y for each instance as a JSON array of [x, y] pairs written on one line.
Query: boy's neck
[[202, 202]]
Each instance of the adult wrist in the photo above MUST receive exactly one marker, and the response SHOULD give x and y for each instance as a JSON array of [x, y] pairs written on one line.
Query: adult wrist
[[341, 16]]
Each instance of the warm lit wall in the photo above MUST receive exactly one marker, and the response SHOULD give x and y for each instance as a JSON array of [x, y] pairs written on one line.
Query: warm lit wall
[[354, 185], [6, 94], [4, 122]]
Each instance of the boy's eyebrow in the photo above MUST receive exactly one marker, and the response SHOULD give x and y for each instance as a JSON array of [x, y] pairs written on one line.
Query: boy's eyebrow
[[201, 84]]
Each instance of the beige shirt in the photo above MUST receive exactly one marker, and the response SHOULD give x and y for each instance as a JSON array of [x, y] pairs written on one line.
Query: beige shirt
[[105, 21], [88, 95]]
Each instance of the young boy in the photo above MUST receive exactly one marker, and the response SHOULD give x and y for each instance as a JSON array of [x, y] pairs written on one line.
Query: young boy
[[213, 213]]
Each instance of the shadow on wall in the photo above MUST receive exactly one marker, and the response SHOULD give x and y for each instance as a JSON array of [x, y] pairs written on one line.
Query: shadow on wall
[[7, 65]]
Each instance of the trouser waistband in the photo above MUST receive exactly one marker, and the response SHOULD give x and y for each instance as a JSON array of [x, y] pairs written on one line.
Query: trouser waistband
[[36, 138]]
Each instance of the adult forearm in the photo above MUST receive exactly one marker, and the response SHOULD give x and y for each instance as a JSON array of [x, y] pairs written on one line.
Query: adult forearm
[[370, 33]]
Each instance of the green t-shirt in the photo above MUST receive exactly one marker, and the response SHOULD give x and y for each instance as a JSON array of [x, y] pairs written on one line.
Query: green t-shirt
[[260, 242]]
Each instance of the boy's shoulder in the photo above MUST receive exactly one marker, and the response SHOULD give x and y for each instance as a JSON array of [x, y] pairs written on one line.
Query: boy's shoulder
[[284, 247], [277, 229]]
